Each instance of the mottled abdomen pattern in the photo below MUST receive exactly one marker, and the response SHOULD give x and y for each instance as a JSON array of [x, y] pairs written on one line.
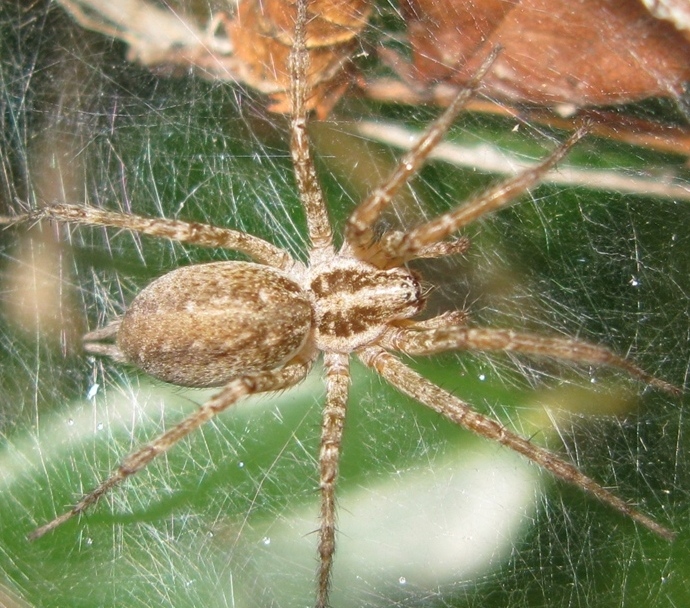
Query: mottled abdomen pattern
[[203, 325]]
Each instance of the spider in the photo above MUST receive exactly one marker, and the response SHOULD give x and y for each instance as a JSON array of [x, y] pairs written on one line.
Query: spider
[[255, 327]]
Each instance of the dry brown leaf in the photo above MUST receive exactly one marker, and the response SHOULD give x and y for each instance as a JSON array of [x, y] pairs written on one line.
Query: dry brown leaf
[[252, 47], [262, 39], [571, 55], [586, 52], [590, 52]]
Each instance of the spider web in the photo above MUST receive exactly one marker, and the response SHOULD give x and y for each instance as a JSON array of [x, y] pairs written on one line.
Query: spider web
[[429, 516]]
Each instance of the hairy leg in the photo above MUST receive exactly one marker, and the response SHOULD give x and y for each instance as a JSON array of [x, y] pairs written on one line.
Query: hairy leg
[[194, 233], [413, 384], [236, 389], [441, 339], [308, 184], [360, 228], [337, 384], [414, 244]]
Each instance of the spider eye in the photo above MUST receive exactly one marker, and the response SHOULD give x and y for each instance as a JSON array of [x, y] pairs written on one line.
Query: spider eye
[[412, 291]]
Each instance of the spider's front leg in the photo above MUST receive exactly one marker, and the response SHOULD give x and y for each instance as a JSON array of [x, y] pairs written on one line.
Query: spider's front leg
[[427, 241], [361, 225], [415, 243], [422, 341], [235, 390]]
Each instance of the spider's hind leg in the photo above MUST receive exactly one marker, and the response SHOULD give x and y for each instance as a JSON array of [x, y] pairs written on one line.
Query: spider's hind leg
[[244, 386], [194, 233]]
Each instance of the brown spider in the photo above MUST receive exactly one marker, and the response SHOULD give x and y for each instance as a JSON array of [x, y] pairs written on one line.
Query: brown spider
[[257, 327]]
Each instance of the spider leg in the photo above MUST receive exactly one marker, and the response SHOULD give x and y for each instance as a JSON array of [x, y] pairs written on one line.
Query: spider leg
[[414, 244], [360, 227], [436, 340], [337, 383], [444, 320], [413, 384], [244, 386], [310, 192], [456, 246], [204, 235]]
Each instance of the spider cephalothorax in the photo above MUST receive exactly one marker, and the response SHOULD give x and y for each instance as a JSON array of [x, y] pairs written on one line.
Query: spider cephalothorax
[[356, 302]]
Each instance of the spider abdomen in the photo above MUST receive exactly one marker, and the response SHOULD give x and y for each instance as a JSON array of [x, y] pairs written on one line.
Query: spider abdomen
[[205, 324]]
